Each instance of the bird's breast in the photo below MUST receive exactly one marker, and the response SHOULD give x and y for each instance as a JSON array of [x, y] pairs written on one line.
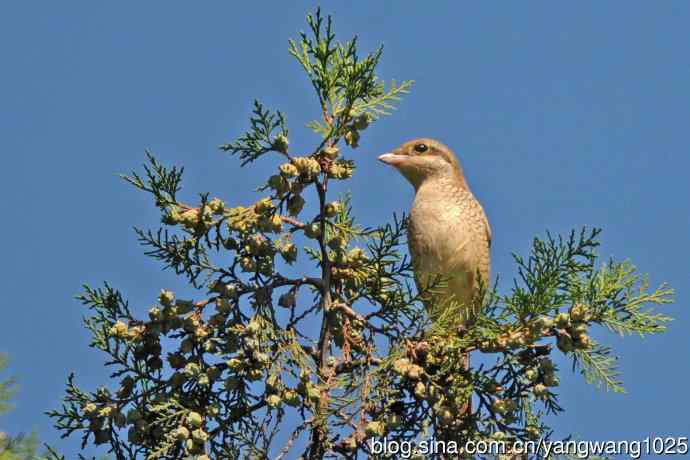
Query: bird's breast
[[447, 236], [437, 236]]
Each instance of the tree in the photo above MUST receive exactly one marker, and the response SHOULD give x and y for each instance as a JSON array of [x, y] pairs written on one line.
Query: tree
[[329, 362], [18, 447]]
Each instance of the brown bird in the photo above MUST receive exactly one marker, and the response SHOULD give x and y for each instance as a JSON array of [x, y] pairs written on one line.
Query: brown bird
[[448, 233]]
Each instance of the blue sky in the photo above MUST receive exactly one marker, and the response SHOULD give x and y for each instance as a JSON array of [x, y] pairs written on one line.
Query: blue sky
[[563, 115]]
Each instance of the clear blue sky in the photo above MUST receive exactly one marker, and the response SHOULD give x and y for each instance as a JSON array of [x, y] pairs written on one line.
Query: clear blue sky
[[563, 114]]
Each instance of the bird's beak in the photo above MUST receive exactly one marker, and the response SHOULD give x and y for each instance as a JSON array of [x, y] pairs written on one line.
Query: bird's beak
[[392, 159]]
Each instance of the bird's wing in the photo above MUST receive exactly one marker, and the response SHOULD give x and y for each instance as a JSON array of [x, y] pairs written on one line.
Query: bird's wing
[[480, 219], [487, 227]]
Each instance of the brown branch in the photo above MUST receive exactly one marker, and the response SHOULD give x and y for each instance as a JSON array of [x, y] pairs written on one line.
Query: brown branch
[[348, 311], [293, 437], [351, 365], [317, 448], [316, 282], [292, 221]]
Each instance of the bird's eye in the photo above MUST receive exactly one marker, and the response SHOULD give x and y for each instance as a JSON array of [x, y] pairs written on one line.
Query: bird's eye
[[421, 148]]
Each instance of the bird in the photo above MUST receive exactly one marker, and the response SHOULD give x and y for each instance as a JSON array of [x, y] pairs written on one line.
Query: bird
[[448, 233]]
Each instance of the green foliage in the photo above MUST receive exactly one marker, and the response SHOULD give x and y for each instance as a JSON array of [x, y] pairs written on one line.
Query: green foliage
[[351, 353], [7, 387], [350, 94], [162, 182], [19, 447], [260, 139]]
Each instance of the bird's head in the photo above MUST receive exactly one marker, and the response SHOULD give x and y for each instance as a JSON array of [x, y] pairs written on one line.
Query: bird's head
[[421, 160]]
